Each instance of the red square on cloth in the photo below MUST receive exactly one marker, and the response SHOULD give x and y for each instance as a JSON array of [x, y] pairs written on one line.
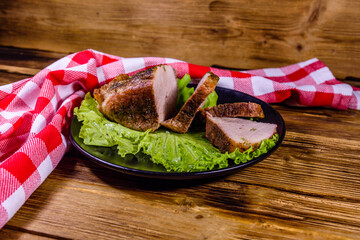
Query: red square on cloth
[[323, 99], [197, 72], [299, 74], [54, 141], [41, 104], [82, 57], [56, 77], [107, 60], [6, 101], [20, 166]]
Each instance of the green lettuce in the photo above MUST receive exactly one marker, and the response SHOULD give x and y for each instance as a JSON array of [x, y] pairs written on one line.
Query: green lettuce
[[184, 92], [190, 152]]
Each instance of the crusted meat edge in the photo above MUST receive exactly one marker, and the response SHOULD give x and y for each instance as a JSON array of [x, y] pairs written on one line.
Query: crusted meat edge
[[182, 121]]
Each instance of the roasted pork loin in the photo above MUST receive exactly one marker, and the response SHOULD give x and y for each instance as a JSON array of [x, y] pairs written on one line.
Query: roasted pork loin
[[140, 102], [181, 122], [230, 133], [237, 109]]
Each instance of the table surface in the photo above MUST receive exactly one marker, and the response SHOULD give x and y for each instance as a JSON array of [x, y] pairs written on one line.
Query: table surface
[[308, 189]]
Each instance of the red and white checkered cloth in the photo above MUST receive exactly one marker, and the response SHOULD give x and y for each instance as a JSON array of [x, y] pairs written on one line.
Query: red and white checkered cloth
[[35, 112]]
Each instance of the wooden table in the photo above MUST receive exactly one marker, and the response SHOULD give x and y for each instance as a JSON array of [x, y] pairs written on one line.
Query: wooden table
[[308, 189]]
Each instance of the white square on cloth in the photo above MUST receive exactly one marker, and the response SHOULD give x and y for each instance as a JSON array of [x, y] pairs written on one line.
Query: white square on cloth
[[261, 85], [322, 75], [226, 82], [28, 92], [133, 64], [274, 72], [14, 201], [45, 168]]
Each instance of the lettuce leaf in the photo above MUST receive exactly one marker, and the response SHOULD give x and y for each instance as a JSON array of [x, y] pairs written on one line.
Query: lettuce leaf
[[243, 157], [182, 152], [211, 100], [184, 92], [190, 152]]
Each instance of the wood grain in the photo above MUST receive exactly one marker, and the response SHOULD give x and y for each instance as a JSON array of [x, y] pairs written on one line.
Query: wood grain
[[232, 33], [308, 189]]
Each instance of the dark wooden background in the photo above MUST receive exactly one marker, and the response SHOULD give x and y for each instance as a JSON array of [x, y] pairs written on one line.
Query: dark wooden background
[[308, 189], [232, 33]]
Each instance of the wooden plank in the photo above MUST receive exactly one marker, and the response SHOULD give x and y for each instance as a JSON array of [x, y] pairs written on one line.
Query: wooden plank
[[233, 33], [21, 70], [17, 64], [27, 59], [9, 232], [6, 77]]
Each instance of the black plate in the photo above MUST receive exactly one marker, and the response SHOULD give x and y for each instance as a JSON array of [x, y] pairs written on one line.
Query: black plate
[[105, 157]]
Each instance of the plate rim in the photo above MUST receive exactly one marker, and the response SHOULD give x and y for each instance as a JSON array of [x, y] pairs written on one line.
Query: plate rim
[[185, 175]]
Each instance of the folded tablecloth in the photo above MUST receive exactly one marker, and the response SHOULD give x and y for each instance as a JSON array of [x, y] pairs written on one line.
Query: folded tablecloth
[[35, 112]]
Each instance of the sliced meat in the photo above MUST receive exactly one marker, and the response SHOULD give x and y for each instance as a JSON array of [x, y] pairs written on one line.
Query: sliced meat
[[140, 102], [181, 122], [227, 134], [237, 109], [106, 90]]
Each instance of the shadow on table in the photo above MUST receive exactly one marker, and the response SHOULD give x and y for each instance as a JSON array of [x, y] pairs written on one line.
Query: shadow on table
[[122, 180]]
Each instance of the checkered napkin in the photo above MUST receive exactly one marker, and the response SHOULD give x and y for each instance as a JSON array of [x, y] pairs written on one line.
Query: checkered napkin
[[35, 112]]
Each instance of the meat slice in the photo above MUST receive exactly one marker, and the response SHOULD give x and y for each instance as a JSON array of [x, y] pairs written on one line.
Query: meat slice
[[181, 122], [227, 134], [140, 102], [237, 109]]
